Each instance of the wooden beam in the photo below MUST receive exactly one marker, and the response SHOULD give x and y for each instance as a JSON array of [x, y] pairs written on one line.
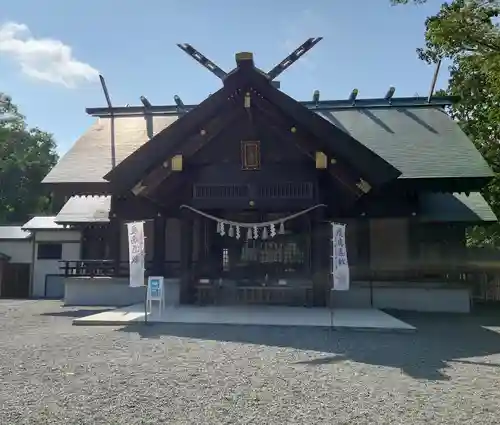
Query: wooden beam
[[159, 241], [377, 170], [167, 195], [348, 195], [300, 139], [190, 146]]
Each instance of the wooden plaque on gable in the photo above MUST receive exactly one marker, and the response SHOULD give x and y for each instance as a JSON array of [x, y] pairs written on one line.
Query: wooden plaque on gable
[[250, 155]]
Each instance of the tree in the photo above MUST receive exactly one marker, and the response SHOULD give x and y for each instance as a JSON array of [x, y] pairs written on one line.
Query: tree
[[466, 33], [26, 156]]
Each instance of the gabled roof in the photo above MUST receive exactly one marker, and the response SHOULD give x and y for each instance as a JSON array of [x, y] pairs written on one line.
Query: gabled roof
[[419, 141], [227, 102], [132, 168]]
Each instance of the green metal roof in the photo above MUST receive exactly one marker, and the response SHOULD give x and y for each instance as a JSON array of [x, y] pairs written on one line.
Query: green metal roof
[[455, 207], [421, 142]]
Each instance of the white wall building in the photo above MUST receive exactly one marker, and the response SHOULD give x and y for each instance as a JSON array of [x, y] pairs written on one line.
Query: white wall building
[[34, 252]]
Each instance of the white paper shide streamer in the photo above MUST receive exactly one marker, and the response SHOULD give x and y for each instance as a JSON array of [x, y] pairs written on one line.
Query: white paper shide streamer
[[136, 253], [340, 265], [264, 230]]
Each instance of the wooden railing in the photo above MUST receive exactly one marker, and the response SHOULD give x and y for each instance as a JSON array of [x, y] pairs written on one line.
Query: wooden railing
[[110, 268]]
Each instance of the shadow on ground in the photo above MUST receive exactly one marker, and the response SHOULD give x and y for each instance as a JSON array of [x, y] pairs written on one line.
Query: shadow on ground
[[77, 313], [440, 339]]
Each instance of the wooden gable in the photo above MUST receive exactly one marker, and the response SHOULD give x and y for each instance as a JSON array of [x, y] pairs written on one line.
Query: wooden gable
[[248, 101]]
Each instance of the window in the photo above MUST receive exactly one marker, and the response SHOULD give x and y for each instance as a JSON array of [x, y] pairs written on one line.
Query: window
[[49, 251]]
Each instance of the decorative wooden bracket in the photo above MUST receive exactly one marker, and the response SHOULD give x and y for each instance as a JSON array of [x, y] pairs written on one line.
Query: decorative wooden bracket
[[321, 161], [138, 188], [176, 163], [364, 186]]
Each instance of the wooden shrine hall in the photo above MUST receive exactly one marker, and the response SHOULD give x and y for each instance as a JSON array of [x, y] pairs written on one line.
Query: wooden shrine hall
[[238, 192]]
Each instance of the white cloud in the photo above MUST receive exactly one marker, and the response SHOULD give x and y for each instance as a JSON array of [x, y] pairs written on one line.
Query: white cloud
[[43, 58]]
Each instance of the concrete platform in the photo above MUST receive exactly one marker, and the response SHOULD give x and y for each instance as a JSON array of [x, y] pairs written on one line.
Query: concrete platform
[[355, 319]]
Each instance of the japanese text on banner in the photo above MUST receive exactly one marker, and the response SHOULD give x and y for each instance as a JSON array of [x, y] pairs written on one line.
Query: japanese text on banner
[[136, 253], [340, 265]]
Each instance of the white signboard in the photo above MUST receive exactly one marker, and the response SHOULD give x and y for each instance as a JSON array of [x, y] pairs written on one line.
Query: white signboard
[[340, 265], [136, 253], [156, 292]]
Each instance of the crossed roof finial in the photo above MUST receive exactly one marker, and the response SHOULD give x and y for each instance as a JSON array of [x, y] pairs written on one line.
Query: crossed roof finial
[[272, 74]]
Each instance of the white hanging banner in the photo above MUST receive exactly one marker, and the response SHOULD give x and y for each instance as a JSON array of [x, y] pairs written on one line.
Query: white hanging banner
[[340, 265], [136, 253]]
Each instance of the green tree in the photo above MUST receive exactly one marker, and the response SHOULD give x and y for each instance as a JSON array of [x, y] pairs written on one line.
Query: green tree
[[26, 156], [466, 33]]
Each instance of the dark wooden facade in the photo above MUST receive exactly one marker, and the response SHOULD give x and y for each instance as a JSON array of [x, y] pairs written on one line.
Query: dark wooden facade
[[250, 153]]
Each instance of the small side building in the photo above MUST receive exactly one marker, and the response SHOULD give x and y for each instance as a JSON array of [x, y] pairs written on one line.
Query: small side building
[[52, 243], [16, 253], [31, 255]]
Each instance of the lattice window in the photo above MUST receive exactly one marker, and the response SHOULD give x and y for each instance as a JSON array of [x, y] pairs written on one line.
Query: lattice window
[[206, 191]]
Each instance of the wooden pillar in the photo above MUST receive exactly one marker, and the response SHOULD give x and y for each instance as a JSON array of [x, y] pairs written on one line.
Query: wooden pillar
[[114, 236], [186, 278], [363, 244], [159, 243], [320, 255], [414, 232]]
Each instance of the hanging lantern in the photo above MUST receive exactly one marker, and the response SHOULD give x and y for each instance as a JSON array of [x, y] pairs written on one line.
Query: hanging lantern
[[272, 230], [230, 232], [249, 233], [281, 231], [238, 234], [222, 230], [264, 233], [255, 232]]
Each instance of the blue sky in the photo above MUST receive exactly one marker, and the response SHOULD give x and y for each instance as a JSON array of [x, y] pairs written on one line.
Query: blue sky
[[51, 51]]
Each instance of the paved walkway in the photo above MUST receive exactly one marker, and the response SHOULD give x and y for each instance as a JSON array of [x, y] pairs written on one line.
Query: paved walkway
[[358, 319]]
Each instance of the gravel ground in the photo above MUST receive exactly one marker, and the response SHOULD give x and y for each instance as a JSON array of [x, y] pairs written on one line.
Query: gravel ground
[[54, 373]]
